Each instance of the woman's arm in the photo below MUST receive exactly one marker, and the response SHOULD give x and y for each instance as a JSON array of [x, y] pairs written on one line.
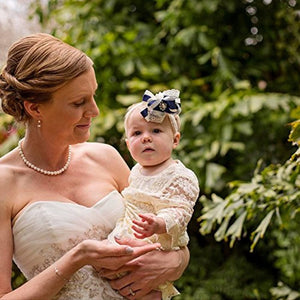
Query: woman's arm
[[147, 272], [48, 283]]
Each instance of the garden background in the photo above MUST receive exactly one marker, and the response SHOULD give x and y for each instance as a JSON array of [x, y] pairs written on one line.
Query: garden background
[[237, 65]]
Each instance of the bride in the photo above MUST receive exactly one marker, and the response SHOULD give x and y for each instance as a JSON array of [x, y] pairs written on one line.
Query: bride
[[60, 195]]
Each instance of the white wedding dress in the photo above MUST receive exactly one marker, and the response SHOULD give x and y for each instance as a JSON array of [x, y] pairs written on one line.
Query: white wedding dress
[[46, 230]]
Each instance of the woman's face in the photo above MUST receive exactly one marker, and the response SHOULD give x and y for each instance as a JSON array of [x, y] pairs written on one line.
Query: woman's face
[[68, 115]]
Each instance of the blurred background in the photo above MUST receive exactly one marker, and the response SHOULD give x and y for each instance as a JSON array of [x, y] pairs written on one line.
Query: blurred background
[[236, 63], [14, 23]]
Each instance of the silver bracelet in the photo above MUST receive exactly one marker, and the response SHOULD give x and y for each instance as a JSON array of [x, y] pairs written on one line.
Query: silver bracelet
[[58, 274]]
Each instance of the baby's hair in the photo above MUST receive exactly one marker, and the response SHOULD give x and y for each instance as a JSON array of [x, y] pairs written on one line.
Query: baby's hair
[[173, 118]]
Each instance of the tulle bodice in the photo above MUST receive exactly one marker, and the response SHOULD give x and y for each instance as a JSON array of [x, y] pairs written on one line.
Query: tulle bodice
[[45, 230]]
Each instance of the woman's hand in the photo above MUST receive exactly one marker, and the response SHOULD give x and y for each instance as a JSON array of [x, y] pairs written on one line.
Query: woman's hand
[[103, 254], [146, 272]]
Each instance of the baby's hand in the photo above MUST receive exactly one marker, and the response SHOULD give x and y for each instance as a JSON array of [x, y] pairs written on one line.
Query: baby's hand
[[148, 225]]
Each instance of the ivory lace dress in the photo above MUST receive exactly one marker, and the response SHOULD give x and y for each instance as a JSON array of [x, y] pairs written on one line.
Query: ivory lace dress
[[171, 195], [46, 230]]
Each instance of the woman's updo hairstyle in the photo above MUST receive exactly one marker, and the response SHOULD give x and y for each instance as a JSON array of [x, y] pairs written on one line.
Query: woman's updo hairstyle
[[37, 66]]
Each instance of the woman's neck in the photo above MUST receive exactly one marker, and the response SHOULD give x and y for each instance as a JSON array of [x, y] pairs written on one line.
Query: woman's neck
[[45, 154]]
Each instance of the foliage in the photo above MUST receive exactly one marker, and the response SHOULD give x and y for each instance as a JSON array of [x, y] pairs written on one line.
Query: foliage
[[236, 64], [233, 130], [9, 133], [235, 276], [228, 90], [17, 278], [268, 204], [272, 193], [193, 45]]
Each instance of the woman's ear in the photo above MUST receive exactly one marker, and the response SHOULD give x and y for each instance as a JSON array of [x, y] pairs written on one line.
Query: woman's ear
[[176, 139], [32, 109]]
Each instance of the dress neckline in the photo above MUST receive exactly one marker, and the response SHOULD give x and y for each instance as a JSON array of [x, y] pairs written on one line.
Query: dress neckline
[[55, 202]]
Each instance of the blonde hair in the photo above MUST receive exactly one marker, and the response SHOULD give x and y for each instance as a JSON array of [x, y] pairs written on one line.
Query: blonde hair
[[174, 119], [37, 66]]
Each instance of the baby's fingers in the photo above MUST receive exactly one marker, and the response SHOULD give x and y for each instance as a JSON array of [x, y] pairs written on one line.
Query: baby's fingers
[[140, 236], [141, 233], [140, 223], [138, 229], [147, 217]]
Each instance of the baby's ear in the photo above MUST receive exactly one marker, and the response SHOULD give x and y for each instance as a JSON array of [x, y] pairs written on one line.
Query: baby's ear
[[176, 139]]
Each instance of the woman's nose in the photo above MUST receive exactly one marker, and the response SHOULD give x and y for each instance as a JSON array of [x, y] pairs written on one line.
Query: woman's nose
[[92, 110]]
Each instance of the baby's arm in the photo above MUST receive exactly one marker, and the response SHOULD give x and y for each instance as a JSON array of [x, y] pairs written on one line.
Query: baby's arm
[[148, 225], [174, 209], [177, 206]]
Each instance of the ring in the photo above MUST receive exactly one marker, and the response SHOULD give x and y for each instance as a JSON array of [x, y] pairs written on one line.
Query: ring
[[131, 292]]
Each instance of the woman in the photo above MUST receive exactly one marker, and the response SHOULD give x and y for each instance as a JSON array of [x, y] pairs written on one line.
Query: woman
[[60, 195]]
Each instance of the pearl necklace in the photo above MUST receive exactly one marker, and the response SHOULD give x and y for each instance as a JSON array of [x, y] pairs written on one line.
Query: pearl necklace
[[45, 172]]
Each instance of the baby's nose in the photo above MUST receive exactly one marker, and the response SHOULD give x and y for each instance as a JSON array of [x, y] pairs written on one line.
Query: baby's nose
[[147, 138]]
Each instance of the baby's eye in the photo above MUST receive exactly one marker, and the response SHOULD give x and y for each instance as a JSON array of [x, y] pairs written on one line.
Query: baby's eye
[[156, 130], [137, 132]]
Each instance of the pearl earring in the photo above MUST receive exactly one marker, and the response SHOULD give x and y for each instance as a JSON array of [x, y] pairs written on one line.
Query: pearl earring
[[39, 124]]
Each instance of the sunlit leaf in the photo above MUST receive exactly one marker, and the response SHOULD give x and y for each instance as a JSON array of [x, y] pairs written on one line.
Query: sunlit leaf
[[235, 230], [261, 229]]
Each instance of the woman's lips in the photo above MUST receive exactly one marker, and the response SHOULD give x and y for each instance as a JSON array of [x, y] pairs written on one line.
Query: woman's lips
[[84, 126]]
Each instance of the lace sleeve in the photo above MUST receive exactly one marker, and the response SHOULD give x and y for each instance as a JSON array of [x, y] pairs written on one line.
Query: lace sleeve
[[178, 200]]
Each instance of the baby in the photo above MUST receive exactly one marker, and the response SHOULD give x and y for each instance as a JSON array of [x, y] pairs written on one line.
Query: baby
[[162, 192]]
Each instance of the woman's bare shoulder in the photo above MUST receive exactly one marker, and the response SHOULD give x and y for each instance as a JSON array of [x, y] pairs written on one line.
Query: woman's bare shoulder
[[98, 150], [8, 163], [10, 168], [7, 190], [107, 159]]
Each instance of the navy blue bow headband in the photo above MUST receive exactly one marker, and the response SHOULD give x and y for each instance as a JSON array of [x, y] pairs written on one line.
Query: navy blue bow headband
[[160, 104]]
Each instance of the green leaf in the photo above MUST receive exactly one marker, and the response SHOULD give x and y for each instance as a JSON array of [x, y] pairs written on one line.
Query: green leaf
[[216, 213], [261, 229], [220, 234], [127, 67], [295, 132], [256, 103], [127, 100], [213, 173], [235, 230]]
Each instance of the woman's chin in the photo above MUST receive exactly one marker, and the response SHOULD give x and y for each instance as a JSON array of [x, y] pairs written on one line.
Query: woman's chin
[[82, 137]]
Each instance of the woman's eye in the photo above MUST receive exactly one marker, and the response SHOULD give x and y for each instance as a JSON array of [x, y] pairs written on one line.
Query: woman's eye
[[77, 104]]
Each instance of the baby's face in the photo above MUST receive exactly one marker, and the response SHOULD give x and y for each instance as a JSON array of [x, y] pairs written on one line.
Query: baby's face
[[150, 143]]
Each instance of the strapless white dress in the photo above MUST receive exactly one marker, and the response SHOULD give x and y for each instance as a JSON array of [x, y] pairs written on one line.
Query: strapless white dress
[[46, 230]]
